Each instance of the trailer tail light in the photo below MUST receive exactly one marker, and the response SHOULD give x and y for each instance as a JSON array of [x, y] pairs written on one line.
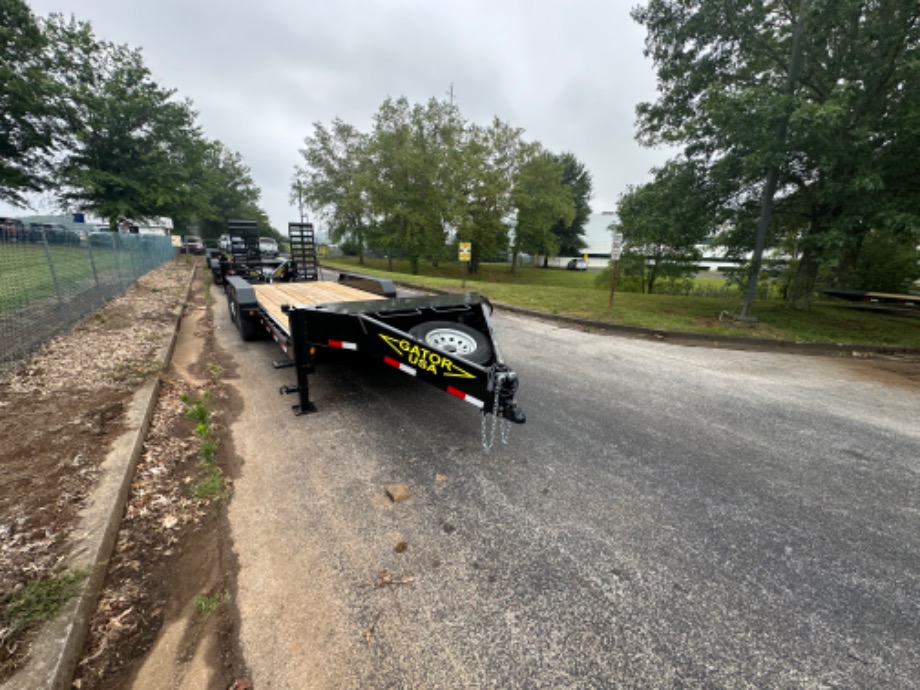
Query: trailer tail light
[[343, 345], [399, 365], [457, 393]]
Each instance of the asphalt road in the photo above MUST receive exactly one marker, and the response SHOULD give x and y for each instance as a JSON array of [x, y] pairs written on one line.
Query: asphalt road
[[668, 517]]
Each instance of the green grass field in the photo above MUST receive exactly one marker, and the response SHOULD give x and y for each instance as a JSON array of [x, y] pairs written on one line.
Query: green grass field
[[26, 276], [574, 293]]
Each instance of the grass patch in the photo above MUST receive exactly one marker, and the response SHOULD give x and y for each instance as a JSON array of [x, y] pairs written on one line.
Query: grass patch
[[573, 293], [210, 485], [208, 603], [40, 600], [27, 276]]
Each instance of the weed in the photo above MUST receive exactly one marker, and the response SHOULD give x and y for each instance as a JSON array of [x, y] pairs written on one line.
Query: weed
[[197, 409], [215, 370], [40, 600], [210, 485], [208, 603]]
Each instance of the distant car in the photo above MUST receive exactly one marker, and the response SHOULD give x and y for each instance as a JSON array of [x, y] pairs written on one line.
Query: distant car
[[577, 265], [192, 244], [268, 246], [102, 238], [229, 244]]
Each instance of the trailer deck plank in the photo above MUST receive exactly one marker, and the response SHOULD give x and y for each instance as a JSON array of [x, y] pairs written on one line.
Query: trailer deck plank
[[271, 296]]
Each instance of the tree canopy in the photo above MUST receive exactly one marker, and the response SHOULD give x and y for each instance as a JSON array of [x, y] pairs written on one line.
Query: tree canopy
[[84, 119], [665, 221], [27, 114], [425, 178], [839, 129]]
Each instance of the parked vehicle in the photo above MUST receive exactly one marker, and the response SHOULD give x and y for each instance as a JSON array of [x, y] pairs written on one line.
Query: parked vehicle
[[192, 244], [268, 246], [102, 238], [577, 265]]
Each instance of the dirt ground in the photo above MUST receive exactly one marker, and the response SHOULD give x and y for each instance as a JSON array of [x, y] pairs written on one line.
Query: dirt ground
[[59, 414]]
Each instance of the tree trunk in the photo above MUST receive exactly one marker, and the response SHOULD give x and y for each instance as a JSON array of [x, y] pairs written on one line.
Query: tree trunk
[[846, 271], [652, 276], [803, 286]]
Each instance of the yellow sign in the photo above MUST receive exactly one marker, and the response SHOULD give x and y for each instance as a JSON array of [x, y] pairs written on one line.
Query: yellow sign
[[466, 251], [423, 358], [176, 240]]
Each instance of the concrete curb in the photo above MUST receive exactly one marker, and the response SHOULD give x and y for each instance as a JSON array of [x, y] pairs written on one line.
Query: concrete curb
[[56, 649]]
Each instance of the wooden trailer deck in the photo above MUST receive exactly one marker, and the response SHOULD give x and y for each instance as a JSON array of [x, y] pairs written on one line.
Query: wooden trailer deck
[[272, 295]]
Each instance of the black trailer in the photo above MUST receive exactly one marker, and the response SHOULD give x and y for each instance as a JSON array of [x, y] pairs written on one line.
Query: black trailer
[[444, 340]]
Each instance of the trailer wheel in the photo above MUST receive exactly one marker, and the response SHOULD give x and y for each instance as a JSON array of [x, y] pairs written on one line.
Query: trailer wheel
[[249, 328], [457, 339]]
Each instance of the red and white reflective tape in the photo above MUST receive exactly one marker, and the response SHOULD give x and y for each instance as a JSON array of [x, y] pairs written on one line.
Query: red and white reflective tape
[[343, 345], [278, 340], [457, 393], [399, 365]]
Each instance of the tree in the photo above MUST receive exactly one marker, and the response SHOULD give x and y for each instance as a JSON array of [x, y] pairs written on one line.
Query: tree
[[541, 201], [665, 220], [577, 178], [334, 181], [27, 104], [230, 192], [489, 159], [412, 193], [844, 163], [135, 150]]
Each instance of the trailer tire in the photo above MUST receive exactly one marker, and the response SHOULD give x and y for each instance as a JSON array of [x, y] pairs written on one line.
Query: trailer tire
[[249, 328], [455, 338]]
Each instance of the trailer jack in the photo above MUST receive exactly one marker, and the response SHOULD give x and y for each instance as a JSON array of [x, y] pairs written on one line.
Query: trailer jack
[[304, 406]]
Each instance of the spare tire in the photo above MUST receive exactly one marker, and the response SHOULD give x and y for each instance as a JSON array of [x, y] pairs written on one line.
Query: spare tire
[[455, 339]]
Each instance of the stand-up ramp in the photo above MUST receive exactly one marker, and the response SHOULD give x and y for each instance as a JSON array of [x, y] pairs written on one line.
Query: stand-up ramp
[[303, 250]]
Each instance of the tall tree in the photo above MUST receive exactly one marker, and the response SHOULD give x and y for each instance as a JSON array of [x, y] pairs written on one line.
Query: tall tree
[[412, 151], [665, 220], [575, 176], [334, 181], [135, 148], [27, 104], [843, 165], [541, 200], [490, 156], [229, 190]]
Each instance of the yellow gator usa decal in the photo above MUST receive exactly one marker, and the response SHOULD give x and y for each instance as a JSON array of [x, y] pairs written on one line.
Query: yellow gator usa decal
[[423, 358]]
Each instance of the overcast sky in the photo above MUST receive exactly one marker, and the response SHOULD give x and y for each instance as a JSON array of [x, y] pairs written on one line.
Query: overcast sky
[[261, 72]]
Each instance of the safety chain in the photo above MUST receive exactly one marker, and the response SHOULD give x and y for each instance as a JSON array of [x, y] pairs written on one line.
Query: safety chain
[[503, 425]]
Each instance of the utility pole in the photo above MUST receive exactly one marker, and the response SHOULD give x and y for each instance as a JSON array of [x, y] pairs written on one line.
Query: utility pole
[[769, 190]]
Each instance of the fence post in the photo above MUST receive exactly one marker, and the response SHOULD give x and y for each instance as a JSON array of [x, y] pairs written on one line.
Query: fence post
[[92, 263], [57, 288]]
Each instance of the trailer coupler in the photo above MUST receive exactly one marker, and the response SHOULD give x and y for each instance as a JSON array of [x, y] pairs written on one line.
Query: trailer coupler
[[506, 384], [504, 408]]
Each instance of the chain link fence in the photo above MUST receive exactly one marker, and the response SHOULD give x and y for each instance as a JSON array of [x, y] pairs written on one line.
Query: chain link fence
[[51, 278]]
